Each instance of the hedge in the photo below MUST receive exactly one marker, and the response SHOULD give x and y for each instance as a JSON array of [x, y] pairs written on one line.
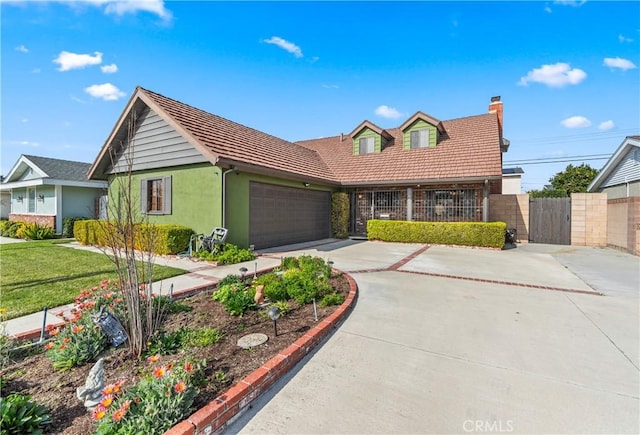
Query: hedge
[[340, 215], [485, 234], [169, 239]]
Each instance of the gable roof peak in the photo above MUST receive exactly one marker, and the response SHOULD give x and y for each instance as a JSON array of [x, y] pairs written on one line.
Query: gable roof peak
[[425, 117], [368, 124]]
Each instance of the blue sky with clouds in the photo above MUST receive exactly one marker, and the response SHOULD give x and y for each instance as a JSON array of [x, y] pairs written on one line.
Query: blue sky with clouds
[[567, 71]]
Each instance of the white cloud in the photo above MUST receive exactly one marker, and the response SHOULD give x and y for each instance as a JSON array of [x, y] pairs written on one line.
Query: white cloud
[[547, 9], [22, 49], [606, 125], [555, 76], [576, 122], [69, 61], [285, 45], [121, 7], [106, 91], [623, 38], [26, 143], [618, 62], [574, 3], [387, 112], [109, 69]]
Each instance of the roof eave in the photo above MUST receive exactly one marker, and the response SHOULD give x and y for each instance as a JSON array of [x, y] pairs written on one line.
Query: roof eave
[[422, 182], [261, 170], [608, 167]]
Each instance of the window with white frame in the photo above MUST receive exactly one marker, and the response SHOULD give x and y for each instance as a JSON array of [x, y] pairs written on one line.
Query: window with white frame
[[420, 138], [155, 195], [366, 145]]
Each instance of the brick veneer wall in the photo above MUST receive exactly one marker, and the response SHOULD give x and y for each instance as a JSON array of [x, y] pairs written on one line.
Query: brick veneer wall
[[44, 220], [589, 219], [514, 211]]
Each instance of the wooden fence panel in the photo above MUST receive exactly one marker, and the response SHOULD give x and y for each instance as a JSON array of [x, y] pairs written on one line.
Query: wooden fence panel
[[550, 220]]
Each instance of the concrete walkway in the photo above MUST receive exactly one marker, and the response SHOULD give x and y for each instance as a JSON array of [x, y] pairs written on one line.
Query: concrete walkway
[[458, 340]]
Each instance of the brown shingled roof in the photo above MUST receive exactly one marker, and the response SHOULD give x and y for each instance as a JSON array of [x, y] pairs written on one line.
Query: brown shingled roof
[[237, 144], [469, 148]]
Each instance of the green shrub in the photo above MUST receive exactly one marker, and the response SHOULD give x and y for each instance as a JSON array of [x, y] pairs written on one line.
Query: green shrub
[[201, 337], [235, 298], [274, 288], [163, 397], [304, 286], [340, 215], [34, 231], [331, 299], [485, 234], [231, 254], [10, 228], [163, 239], [163, 343], [68, 223], [230, 279], [21, 415]]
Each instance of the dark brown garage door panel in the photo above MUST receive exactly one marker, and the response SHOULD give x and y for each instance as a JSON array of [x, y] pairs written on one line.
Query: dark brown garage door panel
[[281, 215]]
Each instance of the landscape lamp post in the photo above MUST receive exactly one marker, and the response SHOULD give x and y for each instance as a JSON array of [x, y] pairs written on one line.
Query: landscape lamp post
[[274, 314]]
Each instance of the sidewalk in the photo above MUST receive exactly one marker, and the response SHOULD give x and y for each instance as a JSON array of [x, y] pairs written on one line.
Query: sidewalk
[[201, 275]]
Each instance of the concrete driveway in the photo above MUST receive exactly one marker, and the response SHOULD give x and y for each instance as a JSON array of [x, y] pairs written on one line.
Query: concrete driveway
[[458, 340]]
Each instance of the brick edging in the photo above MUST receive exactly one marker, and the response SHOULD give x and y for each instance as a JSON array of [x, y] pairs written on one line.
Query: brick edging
[[214, 416]]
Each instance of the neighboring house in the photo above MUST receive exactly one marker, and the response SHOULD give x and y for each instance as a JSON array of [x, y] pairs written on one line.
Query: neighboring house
[[620, 180], [197, 169], [512, 181], [45, 190]]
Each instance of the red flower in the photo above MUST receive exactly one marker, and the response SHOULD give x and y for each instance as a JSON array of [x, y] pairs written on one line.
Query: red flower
[[104, 284], [98, 413], [108, 295], [180, 387], [159, 372], [188, 367], [153, 358], [119, 414]]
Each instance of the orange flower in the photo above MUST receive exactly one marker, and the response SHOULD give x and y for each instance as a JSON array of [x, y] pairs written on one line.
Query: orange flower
[[62, 347], [126, 404], [66, 340], [188, 367], [107, 401], [117, 300], [54, 332], [169, 366], [153, 358], [77, 328], [48, 346], [98, 413], [119, 414], [180, 387], [104, 284], [159, 372], [117, 387], [108, 295], [108, 390]]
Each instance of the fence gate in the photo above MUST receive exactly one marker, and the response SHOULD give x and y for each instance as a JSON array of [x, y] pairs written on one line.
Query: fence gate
[[550, 220]]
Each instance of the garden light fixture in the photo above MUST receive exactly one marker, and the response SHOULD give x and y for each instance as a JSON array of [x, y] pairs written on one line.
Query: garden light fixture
[[243, 272], [274, 314]]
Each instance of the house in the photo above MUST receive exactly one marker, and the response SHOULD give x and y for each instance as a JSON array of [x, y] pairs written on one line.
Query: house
[[44, 190], [512, 181], [197, 169], [620, 180]]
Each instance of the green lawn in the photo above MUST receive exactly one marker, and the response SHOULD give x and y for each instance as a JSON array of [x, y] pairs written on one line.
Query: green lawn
[[38, 274]]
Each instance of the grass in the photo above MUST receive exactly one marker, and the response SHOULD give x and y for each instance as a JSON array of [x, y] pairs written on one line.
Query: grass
[[43, 273]]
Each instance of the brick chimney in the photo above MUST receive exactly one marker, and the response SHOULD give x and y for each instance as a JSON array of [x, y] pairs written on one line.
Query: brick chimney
[[496, 107]]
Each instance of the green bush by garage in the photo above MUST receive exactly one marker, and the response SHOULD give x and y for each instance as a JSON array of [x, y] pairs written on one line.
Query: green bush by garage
[[483, 234], [167, 239]]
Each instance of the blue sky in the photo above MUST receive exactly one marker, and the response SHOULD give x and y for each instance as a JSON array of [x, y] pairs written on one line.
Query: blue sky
[[567, 71]]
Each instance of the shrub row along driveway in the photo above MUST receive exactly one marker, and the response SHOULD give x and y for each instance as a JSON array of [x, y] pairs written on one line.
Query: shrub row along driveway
[[429, 350]]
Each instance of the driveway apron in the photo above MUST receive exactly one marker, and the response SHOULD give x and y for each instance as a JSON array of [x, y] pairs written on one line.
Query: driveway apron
[[458, 340]]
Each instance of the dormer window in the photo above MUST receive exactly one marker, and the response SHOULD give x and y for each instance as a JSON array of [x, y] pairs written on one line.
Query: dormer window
[[366, 145], [420, 138]]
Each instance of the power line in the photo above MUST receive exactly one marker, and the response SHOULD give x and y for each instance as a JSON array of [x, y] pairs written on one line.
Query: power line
[[577, 137], [563, 159]]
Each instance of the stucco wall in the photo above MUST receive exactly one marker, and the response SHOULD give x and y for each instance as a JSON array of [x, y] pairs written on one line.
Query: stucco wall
[[196, 200], [622, 190]]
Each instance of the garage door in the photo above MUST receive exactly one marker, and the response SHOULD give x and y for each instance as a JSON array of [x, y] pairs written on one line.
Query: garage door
[[283, 215]]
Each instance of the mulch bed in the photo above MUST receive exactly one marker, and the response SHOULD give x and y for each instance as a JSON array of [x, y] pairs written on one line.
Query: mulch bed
[[35, 375]]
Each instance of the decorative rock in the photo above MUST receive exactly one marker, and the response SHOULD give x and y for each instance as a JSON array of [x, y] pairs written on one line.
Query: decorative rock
[[252, 340], [259, 297], [91, 393]]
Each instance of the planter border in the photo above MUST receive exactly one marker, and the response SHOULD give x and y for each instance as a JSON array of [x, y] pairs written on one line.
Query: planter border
[[214, 417]]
